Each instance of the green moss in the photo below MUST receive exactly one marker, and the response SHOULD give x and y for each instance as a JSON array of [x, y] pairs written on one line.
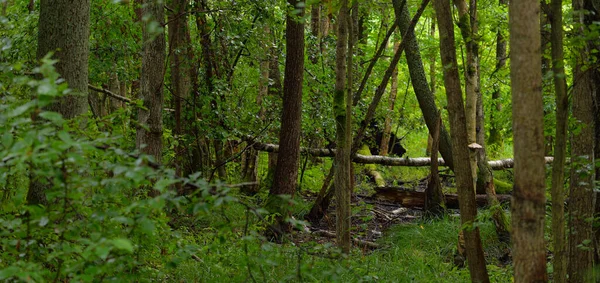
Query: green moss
[[502, 187]]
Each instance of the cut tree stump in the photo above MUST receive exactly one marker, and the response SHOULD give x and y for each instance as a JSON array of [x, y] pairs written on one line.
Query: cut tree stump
[[412, 198]]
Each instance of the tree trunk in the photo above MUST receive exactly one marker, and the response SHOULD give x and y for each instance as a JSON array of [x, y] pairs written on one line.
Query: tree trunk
[[388, 161], [434, 201], [315, 31], [179, 40], [560, 147], [387, 127], [432, 84], [419, 81], [357, 143], [495, 136], [529, 201], [149, 133], [286, 172], [581, 194], [341, 163], [462, 165], [471, 87], [114, 85], [250, 164], [64, 28], [485, 175]]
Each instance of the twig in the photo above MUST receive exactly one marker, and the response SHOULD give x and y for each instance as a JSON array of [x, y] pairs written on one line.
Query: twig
[[109, 93], [359, 242]]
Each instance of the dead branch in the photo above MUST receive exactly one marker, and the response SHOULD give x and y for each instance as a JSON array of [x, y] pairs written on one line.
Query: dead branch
[[386, 160]]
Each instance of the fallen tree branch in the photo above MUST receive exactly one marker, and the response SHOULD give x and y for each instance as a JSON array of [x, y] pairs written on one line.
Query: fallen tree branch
[[359, 242], [413, 199], [109, 93], [386, 160]]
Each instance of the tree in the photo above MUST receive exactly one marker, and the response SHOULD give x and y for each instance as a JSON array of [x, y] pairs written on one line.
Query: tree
[[286, 172], [343, 137], [149, 131], [179, 44], [529, 201], [419, 81], [64, 28], [560, 147], [466, 23], [495, 136], [581, 195], [485, 177], [462, 165]]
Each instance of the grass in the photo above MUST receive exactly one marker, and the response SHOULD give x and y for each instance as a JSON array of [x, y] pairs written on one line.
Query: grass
[[231, 249]]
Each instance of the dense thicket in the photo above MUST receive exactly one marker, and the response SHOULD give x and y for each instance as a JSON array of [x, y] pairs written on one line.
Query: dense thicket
[[186, 140]]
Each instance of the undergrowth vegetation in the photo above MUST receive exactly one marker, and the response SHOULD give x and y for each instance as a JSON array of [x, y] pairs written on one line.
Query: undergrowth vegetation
[[111, 214]]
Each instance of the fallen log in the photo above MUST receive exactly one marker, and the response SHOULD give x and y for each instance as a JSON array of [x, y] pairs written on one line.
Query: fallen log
[[386, 160], [412, 199], [359, 242]]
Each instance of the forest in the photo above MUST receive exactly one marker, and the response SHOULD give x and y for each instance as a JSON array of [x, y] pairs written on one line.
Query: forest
[[299, 141]]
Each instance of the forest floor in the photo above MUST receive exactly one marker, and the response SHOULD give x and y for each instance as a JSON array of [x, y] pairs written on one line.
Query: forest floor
[[392, 244]]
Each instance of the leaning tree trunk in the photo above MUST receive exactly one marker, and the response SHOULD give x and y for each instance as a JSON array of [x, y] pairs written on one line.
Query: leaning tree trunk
[[341, 163], [529, 200], [560, 147], [64, 28], [149, 131], [419, 81], [286, 172], [462, 165], [581, 194]]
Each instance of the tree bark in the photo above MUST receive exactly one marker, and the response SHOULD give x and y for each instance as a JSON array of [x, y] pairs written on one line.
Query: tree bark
[[250, 163], [581, 195], [179, 43], [341, 163], [419, 81], [385, 160], [357, 143], [149, 133], [485, 176], [286, 172], [417, 199], [64, 28], [495, 136], [462, 166], [471, 87], [434, 201], [528, 206], [560, 147]]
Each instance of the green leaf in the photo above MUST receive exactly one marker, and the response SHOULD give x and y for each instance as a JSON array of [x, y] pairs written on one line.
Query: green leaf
[[65, 137], [147, 226], [53, 117], [102, 251], [123, 244], [9, 272], [20, 110]]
